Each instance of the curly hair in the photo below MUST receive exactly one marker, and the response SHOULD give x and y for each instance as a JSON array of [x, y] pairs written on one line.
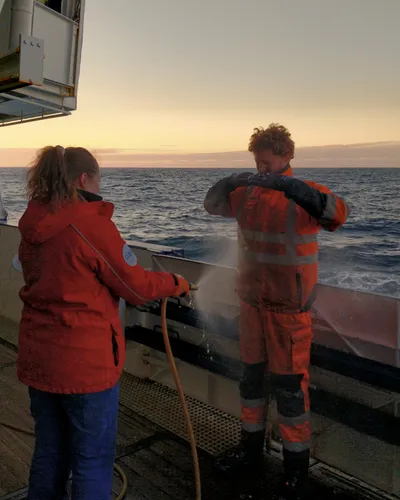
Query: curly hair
[[275, 138], [52, 177]]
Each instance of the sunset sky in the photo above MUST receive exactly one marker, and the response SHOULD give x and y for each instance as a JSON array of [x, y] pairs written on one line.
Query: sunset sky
[[180, 76]]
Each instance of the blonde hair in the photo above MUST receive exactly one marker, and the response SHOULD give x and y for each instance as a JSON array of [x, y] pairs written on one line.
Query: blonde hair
[[52, 176], [275, 138]]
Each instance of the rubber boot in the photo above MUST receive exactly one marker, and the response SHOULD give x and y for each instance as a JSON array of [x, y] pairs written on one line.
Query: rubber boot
[[295, 480], [248, 453]]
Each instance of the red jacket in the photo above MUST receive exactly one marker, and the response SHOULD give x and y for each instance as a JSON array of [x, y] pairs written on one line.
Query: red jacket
[[76, 266]]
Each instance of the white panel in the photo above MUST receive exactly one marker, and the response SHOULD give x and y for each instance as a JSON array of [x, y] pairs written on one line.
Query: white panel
[[31, 60], [362, 323], [59, 35]]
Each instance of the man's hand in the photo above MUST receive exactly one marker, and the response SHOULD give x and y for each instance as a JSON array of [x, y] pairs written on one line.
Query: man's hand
[[238, 180], [269, 181]]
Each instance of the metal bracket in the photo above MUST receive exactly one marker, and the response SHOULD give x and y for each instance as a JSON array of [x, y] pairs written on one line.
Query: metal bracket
[[31, 60], [24, 66]]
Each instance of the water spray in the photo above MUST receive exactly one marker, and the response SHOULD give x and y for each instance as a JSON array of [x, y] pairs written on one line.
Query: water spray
[[178, 383]]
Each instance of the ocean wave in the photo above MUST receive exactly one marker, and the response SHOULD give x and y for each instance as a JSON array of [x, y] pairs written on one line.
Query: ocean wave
[[166, 207]]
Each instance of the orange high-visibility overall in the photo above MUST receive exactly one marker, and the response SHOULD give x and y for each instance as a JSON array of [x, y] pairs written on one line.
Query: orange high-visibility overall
[[276, 282]]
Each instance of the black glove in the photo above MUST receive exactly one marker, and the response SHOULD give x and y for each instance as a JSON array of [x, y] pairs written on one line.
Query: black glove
[[238, 180], [269, 181], [307, 197], [216, 201]]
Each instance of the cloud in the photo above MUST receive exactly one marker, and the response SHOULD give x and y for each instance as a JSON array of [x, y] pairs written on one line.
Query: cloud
[[374, 155]]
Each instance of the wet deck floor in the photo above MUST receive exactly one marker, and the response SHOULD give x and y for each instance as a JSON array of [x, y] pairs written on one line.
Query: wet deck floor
[[162, 470]]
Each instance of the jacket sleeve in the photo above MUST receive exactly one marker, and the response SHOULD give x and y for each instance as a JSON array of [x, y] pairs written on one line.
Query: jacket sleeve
[[334, 210], [224, 198], [116, 266]]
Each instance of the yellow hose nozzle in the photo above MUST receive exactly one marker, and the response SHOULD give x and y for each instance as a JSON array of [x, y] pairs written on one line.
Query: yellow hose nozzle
[[193, 287]]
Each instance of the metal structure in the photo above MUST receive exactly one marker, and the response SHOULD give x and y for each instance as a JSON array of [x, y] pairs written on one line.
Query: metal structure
[[40, 55]]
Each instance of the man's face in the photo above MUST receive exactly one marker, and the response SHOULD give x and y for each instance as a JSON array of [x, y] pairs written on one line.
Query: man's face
[[268, 163]]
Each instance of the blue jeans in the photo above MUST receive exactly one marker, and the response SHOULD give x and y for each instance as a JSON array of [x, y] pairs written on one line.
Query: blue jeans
[[74, 433]]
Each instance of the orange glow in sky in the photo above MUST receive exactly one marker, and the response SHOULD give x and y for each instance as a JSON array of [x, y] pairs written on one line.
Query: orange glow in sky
[[185, 77]]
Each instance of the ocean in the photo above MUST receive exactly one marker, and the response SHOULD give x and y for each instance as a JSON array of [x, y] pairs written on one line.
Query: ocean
[[165, 206]]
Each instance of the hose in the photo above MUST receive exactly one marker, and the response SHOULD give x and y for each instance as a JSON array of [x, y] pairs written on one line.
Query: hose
[[192, 438], [181, 394], [124, 480]]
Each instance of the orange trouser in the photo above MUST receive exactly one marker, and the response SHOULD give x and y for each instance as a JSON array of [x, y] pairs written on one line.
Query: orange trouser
[[279, 345]]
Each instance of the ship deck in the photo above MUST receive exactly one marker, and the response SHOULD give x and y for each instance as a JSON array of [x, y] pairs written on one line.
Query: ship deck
[[157, 462]]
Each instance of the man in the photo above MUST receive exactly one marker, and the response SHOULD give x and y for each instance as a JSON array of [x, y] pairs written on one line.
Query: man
[[279, 218]]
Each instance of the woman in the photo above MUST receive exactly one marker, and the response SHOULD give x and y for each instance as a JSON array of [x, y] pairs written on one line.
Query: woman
[[76, 266]]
